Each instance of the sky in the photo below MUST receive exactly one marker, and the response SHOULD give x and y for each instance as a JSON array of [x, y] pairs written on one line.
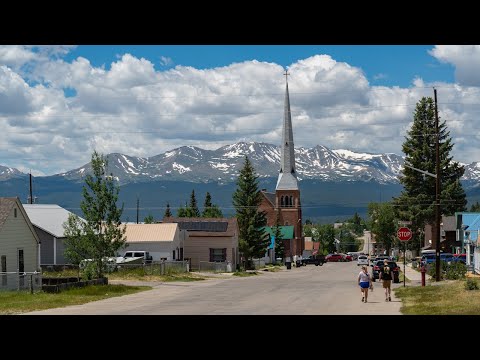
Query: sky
[[60, 103]]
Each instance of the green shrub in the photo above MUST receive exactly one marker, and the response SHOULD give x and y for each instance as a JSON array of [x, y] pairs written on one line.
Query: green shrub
[[456, 270], [471, 284]]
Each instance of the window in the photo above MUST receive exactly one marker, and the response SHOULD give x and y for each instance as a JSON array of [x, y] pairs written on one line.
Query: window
[[15, 212], [218, 255], [291, 200], [281, 202], [173, 254]]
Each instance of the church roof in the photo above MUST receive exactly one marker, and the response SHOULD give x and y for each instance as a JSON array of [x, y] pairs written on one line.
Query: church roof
[[287, 181]]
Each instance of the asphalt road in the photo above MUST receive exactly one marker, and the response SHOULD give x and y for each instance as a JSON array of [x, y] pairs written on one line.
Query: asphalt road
[[330, 289]]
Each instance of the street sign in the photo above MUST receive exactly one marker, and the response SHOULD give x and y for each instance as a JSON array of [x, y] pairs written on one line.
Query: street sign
[[405, 223], [404, 234]]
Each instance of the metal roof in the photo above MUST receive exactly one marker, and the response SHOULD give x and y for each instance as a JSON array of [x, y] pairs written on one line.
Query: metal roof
[[286, 231], [212, 226], [286, 181], [150, 232], [48, 217]]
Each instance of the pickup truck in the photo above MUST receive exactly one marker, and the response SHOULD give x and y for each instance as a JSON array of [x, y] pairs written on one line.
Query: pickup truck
[[314, 259]]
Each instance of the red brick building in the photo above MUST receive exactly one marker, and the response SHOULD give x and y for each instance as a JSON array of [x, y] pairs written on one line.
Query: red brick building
[[286, 198]]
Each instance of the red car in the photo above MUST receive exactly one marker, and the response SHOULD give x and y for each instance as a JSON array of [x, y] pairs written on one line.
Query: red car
[[334, 258]]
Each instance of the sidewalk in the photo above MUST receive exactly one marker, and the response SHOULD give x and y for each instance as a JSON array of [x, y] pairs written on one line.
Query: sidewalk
[[413, 275]]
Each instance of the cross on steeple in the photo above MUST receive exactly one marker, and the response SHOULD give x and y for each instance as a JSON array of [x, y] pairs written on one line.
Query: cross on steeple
[[286, 76]]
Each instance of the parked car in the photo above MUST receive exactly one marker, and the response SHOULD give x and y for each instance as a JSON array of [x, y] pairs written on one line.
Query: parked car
[[362, 260], [334, 258], [460, 258], [379, 267], [314, 259], [431, 258]]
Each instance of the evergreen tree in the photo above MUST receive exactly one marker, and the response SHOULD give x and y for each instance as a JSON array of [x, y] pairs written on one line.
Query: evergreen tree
[[192, 210], [475, 207], [101, 235], [279, 243], [417, 201], [210, 210], [253, 240], [168, 213], [183, 211], [149, 219]]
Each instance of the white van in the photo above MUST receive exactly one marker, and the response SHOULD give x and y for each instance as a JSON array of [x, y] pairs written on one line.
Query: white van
[[145, 255]]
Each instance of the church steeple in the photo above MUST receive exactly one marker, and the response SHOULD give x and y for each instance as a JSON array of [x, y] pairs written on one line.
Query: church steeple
[[287, 179]]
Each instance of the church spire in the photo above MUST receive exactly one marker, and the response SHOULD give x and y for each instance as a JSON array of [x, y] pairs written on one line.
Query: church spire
[[287, 179]]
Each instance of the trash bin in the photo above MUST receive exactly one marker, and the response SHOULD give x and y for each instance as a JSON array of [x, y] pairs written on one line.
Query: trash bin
[[288, 264]]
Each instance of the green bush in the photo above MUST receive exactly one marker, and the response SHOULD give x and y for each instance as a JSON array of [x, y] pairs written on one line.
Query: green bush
[[453, 271], [471, 284], [456, 270]]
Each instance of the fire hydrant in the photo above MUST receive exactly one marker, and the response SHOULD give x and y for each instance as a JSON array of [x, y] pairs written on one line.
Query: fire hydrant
[[423, 270]]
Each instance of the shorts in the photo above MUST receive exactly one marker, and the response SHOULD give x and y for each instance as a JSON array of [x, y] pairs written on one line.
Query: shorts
[[387, 284], [364, 284]]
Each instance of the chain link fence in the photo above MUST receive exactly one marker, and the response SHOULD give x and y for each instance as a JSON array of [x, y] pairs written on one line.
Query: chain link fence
[[166, 267], [21, 281], [209, 266]]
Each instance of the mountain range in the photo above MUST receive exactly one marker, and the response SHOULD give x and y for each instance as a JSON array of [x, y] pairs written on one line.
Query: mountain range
[[199, 168]]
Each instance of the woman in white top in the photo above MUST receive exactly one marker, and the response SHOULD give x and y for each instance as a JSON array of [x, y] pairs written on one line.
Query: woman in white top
[[365, 282]]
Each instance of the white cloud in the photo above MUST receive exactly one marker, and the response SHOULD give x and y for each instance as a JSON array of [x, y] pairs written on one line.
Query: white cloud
[[133, 109], [165, 61], [380, 76], [465, 59]]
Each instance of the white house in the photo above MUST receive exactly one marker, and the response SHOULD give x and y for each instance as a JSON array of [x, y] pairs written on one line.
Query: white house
[[19, 243], [161, 240]]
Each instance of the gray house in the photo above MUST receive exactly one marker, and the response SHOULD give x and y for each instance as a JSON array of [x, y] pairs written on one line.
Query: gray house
[[19, 243], [47, 220]]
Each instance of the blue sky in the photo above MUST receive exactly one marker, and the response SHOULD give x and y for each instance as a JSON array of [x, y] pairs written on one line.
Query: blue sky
[[59, 103], [391, 65]]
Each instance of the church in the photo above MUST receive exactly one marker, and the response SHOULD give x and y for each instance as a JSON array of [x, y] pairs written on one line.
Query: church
[[285, 201]]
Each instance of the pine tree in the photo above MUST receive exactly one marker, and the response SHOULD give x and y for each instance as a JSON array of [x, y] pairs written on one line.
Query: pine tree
[[192, 210], [149, 219], [210, 210], [168, 213], [279, 243], [253, 241], [416, 202], [183, 211], [101, 234], [475, 207]]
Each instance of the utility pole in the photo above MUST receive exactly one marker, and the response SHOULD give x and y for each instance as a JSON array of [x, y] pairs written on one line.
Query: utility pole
[[31, 191], [138, 203], [437, 193]]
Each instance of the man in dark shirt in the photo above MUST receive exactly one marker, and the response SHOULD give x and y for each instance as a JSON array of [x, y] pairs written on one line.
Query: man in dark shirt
[[386, 276]]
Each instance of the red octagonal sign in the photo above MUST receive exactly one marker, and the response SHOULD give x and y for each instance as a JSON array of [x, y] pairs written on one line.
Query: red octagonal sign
[[404, 234]]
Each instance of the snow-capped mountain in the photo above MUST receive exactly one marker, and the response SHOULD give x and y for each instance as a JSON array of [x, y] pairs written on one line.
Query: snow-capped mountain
[[193, 164], [9, 173], [189, 163]]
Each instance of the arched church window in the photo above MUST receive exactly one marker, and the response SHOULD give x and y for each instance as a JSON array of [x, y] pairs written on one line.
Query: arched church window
[[291, 200], [281, 201]]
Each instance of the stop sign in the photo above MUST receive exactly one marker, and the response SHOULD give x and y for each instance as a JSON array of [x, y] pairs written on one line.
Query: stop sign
[[404, 234]]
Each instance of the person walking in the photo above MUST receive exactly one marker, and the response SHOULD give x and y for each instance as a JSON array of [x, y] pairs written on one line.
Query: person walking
[[386, 276], [365, 282]]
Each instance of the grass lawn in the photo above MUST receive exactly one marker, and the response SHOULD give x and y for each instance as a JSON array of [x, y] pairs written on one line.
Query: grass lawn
[[15, 302], [134, 274], [449, 298]]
